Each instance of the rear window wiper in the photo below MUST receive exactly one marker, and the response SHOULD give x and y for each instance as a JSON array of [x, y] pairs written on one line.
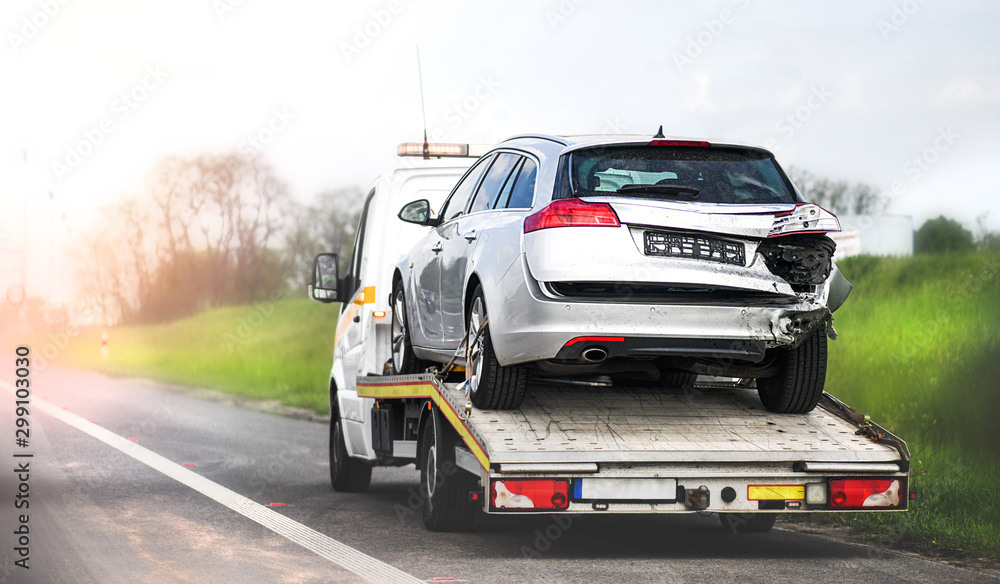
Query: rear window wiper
[[674, 190]]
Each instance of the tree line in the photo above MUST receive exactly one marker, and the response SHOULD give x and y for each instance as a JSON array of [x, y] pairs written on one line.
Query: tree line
[[206, 232]]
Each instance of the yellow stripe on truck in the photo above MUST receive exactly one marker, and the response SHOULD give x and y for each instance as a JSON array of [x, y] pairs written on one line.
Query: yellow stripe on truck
[[776, 492], [366, 296], [426, 390]]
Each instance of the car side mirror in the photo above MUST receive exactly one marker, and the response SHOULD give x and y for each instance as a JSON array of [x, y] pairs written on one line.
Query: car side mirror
[[325, 284], [418, 212]]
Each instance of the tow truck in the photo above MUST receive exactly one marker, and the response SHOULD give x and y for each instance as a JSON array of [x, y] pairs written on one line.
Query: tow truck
[[572, 447]]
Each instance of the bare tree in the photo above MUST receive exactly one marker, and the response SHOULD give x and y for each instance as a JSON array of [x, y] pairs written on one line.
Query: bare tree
[[840, 197]]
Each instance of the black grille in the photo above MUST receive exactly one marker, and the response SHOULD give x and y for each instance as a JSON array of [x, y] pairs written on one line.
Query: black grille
[[697, 247]]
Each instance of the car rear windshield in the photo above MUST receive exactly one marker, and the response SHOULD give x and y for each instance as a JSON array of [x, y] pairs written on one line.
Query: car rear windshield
[[698, 174]]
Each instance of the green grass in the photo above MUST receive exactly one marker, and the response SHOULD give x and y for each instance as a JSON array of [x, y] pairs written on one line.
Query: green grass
[[277, 351], [919, 350]]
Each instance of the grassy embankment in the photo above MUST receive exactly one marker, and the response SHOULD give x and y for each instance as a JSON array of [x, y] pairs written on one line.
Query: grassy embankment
[[919, 350], [277, 351]]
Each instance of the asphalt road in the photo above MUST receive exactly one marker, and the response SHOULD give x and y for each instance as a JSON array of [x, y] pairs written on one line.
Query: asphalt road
[[98, 514]]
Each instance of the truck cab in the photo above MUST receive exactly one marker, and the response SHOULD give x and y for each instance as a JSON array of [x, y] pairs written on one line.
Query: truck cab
[[363, 341]]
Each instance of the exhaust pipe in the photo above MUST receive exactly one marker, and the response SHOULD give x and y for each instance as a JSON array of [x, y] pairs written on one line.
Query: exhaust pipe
[[594, 354]]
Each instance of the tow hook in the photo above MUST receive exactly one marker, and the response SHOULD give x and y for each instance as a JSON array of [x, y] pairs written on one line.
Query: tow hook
[[697, 499]]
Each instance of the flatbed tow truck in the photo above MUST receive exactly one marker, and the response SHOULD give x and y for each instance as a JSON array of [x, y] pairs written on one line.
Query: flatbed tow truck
[[572, 448]]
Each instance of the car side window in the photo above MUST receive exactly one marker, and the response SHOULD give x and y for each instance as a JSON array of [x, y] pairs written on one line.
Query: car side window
[[504, 195], [455, 205], [495, 179], [524, 189]]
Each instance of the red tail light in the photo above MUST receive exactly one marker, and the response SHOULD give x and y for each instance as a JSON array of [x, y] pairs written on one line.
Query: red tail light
[[696, 143], [862, 493], [571, 213], [529, 494]]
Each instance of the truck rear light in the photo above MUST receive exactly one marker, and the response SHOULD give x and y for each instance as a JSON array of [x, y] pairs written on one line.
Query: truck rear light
[[529, 494], [816, 493], [864, 493], [804, 218], [571, 213]]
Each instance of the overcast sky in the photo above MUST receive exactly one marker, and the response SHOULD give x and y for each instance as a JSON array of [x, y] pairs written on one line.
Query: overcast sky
[[904, 95]]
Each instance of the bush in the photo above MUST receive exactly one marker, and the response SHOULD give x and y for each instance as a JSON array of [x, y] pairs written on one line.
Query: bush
[[942, 235]]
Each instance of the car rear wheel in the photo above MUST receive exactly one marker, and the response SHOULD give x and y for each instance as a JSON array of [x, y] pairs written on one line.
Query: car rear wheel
[[403, 359], [798, 385], [444, 486], [491, 385], [348, 475]]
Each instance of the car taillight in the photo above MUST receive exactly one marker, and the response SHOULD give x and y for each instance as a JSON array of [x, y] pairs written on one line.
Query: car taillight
[[804, 218], [529, 494], [571, 213], [865, 493]]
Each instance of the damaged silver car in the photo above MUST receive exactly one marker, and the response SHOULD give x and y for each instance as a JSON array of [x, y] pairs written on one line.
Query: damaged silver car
[[644, 260]]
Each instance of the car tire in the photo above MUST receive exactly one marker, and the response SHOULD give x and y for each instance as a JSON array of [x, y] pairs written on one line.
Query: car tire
[[747, 522], [798, 385], [404, 362], [491, 385], [348, 475], [444, 487]]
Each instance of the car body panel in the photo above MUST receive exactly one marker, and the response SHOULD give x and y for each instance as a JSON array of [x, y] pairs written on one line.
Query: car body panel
[[531, 321]]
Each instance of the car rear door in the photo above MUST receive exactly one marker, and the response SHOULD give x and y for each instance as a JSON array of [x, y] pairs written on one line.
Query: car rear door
[[461, 237], [427, 261]]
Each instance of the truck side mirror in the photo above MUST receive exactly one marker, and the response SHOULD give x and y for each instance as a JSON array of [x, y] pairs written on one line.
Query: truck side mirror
[[324, 286], [418, 212]]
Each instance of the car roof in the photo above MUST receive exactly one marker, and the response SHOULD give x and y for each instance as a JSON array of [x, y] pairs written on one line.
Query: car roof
[[556, 145]]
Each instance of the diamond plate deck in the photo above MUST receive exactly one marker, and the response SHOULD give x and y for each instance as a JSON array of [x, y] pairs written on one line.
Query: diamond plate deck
[[577, 424]]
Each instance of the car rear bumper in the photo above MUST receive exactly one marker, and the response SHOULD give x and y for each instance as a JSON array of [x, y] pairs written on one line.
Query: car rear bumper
[[527, 326]]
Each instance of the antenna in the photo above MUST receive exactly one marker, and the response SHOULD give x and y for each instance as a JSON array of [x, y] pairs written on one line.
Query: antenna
[[423, 108], [659, 133]]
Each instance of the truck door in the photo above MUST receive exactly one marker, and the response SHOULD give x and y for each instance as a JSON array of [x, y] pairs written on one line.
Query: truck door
[[349, 327]]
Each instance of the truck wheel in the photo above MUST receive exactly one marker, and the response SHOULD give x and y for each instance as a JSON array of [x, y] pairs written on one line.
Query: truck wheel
[[798, 385], [491, 386], [348, 475], [748, 522], [403, 359], [444, 486]]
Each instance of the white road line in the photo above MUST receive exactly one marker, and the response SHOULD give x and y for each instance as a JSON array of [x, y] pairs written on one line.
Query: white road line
[[341, 554]]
